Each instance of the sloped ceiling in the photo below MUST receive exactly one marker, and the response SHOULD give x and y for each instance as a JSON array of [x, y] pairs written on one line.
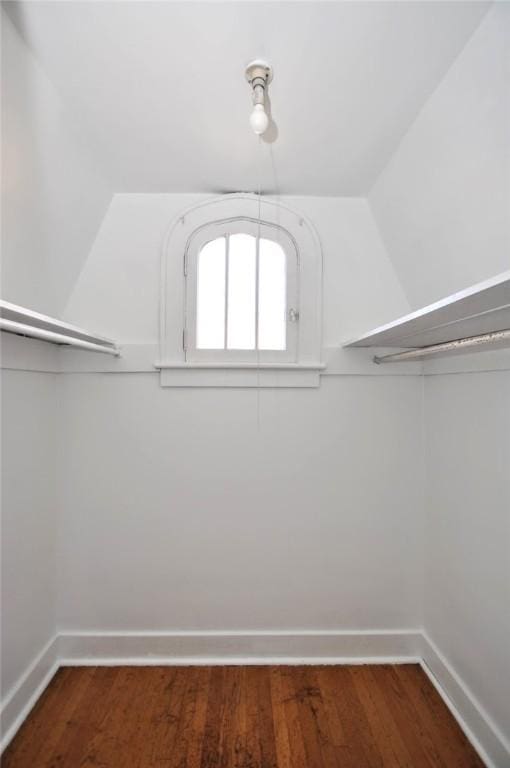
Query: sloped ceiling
[[159, 89], [442, 203], [54, 190]]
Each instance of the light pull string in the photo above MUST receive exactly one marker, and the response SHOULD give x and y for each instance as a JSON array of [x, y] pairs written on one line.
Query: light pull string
[[257, 258], [275, 186]]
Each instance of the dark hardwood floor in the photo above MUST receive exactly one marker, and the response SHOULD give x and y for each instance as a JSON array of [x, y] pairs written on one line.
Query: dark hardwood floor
[[241, 717]]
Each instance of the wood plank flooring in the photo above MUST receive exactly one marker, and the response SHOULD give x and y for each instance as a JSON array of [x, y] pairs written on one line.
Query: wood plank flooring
[[241, 717]]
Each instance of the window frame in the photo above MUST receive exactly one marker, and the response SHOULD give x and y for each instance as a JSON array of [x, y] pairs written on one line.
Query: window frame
[[259, 230], [175, 370]]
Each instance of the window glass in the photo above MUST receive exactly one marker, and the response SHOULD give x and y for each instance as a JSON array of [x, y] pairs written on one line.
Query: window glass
[[241, 276], [211, 295], [272, 294], [231, 297]]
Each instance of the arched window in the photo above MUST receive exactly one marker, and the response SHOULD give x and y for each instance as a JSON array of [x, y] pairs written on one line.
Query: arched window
[[241, 296], [241, 293]]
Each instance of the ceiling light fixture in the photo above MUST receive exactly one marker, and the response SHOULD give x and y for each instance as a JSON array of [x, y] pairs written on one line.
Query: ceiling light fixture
[[259, 74]]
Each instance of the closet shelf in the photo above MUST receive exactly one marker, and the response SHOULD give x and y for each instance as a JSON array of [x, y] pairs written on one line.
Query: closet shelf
[[476, 315], [26, 322]]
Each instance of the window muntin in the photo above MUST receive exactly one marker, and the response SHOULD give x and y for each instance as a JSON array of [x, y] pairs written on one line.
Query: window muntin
[[241, 284]]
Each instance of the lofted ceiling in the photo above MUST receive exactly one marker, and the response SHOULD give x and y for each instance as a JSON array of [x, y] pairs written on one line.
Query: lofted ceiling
[[158, 87]]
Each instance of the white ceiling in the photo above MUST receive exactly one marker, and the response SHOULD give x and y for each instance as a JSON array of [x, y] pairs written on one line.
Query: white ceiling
[[159, 87]]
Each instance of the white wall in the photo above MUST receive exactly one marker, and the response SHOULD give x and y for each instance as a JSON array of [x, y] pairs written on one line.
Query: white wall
[[177, 513], [467, 587], [52, 201], [28, 519], [53, 194], [443, 201]]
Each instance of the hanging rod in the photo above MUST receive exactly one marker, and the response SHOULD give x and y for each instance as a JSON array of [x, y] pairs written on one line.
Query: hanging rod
[[446, 346], [22, 329]]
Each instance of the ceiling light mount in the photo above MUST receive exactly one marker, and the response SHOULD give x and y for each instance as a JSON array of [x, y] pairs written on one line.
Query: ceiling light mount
[[259, 74]]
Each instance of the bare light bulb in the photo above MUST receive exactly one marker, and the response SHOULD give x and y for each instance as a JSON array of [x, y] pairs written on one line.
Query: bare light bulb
[[259, 120]]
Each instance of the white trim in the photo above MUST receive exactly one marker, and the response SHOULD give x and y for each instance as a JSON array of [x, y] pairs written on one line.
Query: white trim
[[238, 632], [238, 647], [26, 691], [478, 727], [236, 661], [242, 376], [243, 366]]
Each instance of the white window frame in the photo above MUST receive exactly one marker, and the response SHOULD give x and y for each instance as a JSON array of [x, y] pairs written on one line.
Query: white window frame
[[177, 369], [256, 229]]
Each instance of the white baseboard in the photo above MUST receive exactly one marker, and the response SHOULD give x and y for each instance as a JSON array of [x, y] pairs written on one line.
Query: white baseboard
[[25, 693], [280, 647], [470, 715]]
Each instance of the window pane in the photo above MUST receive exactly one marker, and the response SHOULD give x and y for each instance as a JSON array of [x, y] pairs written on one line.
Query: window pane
[[241, 292], [211, 295], [272, 298]]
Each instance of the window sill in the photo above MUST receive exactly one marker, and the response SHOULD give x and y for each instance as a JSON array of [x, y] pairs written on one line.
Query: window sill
[[243, 375]]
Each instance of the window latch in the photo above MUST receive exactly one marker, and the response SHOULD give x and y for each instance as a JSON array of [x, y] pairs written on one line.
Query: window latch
[[293, 315]]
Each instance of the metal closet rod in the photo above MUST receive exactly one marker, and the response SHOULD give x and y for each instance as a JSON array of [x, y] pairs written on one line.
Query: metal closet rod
[[446, 346], [57, 338]]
